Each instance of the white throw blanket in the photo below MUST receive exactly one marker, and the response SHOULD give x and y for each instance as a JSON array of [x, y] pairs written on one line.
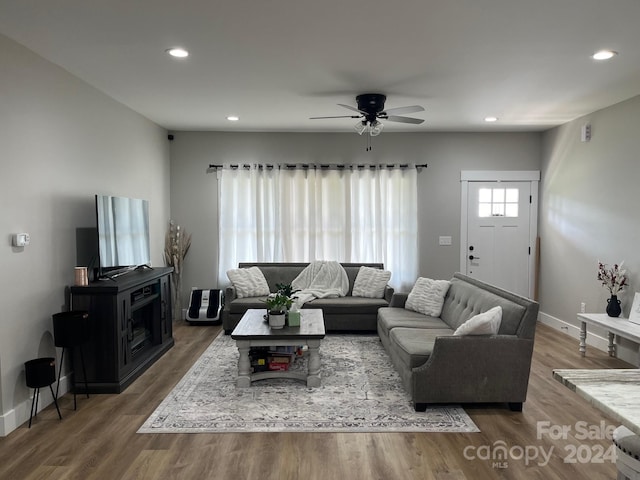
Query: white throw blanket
[[320, 279]]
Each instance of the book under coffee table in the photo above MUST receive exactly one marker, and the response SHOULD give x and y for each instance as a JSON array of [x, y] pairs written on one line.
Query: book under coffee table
[[254, 331]]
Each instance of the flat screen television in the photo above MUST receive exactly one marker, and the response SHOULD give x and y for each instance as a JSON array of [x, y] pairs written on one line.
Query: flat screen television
[[123, 234]]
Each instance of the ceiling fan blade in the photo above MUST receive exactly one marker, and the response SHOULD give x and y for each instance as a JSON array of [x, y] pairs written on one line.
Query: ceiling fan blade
[[351, 108], [395, 118], [339, 116], [407, 109]]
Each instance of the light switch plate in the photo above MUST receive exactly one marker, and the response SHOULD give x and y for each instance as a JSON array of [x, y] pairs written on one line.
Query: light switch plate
[[444, 240]]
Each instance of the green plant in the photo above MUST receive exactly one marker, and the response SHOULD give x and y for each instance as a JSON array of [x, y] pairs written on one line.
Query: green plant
[[278, 302], [286, 289]]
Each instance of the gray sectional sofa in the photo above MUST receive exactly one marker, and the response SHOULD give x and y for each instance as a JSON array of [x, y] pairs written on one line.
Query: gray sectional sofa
[[343, 313], [437, 367]]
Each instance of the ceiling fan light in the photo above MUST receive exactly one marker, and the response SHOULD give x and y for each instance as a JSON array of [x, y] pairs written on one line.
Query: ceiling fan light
[[376, 128], [360, 127]]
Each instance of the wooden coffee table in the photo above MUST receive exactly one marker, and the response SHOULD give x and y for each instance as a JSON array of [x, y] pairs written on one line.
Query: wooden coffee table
[[253, 331]]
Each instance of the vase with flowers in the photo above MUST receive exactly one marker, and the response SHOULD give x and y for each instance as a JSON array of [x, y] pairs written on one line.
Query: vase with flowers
[[176, 246], [615, 279]]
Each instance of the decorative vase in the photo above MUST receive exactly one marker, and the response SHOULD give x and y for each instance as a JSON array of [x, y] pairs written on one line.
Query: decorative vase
[[613, 306], [176, 288], [276, 319]]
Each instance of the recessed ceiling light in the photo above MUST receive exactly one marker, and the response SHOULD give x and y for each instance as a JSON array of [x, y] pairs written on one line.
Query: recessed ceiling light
[[604, 55], [490, 119], [178, 52], [233, 118]]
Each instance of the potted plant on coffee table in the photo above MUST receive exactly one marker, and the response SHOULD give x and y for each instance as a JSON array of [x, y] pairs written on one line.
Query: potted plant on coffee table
[[277, 306]]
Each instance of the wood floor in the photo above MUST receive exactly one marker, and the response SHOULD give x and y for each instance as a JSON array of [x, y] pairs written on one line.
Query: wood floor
[[98, 441]]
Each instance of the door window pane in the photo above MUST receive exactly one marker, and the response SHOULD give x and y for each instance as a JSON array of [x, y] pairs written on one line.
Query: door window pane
[[511, 210], [498, 202], [497, 209], [484, 195], [484, 210]]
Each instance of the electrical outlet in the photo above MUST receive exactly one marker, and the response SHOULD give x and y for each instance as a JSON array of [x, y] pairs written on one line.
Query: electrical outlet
[[583, 307]]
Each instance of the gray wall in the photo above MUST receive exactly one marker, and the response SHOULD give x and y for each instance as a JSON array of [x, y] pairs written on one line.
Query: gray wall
[[589, 212], [61, 142], [194, 192]]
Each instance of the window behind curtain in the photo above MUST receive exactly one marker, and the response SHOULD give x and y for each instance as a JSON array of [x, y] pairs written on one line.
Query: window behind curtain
[[300, 215]]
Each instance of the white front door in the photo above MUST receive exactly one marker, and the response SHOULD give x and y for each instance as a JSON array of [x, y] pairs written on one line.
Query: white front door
[[499, 244]]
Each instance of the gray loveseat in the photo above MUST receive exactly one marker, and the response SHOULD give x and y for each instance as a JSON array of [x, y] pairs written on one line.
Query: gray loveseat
[[437, 367], [343, 313]]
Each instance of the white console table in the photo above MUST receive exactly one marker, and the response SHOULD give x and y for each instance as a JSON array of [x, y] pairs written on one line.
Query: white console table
[[619, 326]]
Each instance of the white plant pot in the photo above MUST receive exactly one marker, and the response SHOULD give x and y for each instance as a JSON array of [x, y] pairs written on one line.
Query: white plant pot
[[276, 320]]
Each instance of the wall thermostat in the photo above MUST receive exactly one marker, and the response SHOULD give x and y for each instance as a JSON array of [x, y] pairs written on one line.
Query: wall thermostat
[[20, 239]]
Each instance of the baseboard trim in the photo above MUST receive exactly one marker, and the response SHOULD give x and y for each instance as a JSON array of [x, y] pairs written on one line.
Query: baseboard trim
[[598, 340], [596, 337], [14, 418]]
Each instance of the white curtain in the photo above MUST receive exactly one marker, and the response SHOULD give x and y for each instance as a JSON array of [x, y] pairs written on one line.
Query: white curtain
[[300, 215]]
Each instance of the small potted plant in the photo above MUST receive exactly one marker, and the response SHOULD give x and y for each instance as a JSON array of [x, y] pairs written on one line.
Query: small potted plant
[[277, 306]]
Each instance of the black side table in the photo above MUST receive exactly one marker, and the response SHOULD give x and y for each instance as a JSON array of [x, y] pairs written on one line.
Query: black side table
[[70, 330], [40, 372]]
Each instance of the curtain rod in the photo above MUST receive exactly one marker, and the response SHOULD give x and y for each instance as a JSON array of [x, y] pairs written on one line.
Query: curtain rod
[[321, 166]]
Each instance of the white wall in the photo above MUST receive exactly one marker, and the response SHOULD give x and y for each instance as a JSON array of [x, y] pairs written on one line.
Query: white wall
[[589, 212], [61, 142], [194, 192]]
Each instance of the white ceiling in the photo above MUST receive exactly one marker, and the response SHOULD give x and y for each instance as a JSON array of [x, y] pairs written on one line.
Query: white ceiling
[[275, 63]]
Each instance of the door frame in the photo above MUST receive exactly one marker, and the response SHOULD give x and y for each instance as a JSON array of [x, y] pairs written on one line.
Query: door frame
[[532, 176]]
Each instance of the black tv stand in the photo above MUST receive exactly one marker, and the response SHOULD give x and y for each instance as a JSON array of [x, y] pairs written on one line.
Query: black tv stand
[[130, 327]]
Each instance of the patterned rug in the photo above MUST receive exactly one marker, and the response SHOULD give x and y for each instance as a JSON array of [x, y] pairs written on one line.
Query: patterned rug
[[360, 392]]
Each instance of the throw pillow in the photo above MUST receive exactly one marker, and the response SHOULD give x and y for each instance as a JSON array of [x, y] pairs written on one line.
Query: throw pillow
[[487, 323], [370, 282], [427, 296], [248, 282]]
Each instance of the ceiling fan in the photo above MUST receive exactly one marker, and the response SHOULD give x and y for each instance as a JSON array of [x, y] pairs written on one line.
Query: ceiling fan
[[371, 108]]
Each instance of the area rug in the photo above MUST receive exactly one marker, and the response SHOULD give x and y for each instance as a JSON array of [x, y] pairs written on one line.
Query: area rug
[[360, 392]]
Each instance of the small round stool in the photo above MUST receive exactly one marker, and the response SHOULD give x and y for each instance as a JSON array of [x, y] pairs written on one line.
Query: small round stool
[[40, 372], [627, 453]]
